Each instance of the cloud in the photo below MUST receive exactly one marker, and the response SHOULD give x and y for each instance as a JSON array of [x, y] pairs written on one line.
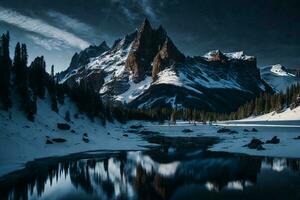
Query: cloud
[[71, 23], [41, 27], [47, 43]]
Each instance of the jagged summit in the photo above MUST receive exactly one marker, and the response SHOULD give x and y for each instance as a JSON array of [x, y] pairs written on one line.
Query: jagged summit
[[145, 69], [145, 47]]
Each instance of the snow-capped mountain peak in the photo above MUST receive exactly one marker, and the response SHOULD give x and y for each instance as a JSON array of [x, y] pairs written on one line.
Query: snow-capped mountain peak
[[218, 55], [278, 77], [145, 69], [279, 70]]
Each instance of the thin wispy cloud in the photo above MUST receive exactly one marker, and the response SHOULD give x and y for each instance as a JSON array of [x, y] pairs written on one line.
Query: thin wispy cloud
[[47, 43], [43, 28], [70, 22]]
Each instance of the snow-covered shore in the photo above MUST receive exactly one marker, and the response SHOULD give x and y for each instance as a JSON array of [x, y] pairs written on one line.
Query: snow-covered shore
[[22, 141], [287, 115]]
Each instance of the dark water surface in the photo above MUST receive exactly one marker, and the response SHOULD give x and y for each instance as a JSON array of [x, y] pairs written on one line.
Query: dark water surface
[[167, 172]]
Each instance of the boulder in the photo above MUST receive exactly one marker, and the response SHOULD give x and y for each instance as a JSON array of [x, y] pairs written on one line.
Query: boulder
[[224, 130], [63, 126], [59, 140], [274, 140], [297, 138], [85, 138], [49, 141], [187, 130], [246, 130], [125, 135], [254, 130], [233, 132], [73, 131], [255, 144]]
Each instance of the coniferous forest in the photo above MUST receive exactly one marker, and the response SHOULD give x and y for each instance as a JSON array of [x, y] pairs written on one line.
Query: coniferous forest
[[27, 82]]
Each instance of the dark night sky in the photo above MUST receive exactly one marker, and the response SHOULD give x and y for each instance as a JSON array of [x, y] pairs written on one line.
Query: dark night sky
[[268, 29]]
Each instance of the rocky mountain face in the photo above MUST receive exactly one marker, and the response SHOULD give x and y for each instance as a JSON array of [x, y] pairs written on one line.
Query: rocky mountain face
[[279, 77], [80, 59], [145, 70]]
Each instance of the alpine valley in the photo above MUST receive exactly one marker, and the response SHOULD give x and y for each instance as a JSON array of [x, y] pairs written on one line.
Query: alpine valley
[[145, 70]]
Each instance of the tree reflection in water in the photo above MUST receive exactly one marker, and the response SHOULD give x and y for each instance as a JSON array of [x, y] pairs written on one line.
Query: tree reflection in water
[[144, 175]]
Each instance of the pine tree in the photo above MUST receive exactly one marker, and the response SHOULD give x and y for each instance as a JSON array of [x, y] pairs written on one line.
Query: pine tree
[[28, 100], [5, 71], [52, 71], [38, 77]]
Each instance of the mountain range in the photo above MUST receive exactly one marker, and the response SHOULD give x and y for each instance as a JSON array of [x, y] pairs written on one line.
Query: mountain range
[[145, 69]]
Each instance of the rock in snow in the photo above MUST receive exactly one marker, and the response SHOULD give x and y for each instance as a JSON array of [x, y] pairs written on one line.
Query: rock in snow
[[187, 130], [255, 144], [274, 140], [59, 140], [63, 126]]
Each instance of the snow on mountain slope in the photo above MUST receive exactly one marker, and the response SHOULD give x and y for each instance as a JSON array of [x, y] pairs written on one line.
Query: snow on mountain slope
[[278, 77], [215, 54], [139, 67], [280, 71]]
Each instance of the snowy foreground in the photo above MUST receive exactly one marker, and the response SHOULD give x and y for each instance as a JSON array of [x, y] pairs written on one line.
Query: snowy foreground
[[22, 141]]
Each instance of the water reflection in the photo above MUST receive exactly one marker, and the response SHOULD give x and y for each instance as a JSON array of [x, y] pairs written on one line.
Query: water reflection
[[148, 175]]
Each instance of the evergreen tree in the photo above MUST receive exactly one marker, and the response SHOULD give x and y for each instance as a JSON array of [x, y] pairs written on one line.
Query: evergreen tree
[[38, 76], [5, 71], [28, 100]]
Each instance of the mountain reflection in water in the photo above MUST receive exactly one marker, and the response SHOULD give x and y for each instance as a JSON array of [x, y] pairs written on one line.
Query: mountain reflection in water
[[157, 175]]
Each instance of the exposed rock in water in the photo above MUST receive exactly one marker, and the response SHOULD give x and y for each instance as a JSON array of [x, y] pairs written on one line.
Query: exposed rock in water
[[125, 135], [59, 140], [255, 144], [274, 140], [187, 130], [224, 130], [63, 126], [297, 138], [246, 130], [254, 130]]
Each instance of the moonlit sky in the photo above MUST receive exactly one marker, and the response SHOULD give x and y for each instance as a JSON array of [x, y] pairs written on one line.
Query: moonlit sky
[[268, 29]]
